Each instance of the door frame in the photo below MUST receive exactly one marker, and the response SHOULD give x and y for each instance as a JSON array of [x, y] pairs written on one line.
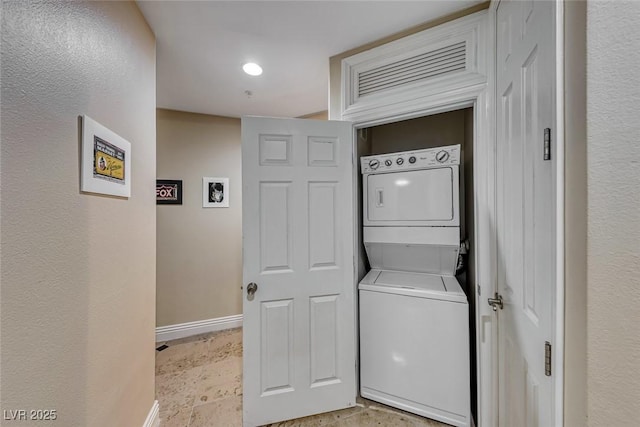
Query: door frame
[[479, 95], [482, 98], [559, 321]]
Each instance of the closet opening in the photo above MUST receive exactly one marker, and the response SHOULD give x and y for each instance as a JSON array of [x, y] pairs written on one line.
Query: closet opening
[[452, 128]]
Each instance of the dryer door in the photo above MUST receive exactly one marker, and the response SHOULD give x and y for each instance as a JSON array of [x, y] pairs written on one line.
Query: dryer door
[[425, 197]]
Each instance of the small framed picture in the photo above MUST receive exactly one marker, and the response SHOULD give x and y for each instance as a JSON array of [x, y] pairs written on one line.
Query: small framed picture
[[106, 160], [215, 192], [168, 192]]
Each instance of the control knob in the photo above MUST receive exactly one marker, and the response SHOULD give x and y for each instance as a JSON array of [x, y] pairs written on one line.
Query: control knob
[[400, 161], [412, 159], [388, 162], [442, 156], [373, 164]]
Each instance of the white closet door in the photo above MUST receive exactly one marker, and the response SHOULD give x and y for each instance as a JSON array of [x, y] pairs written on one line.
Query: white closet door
[[525, 208], [299, 338]]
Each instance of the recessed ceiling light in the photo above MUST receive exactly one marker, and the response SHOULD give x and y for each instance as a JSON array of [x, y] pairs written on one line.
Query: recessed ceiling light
[[252, 69]]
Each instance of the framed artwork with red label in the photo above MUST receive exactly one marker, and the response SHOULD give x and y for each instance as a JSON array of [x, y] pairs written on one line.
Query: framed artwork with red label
[[168, 192]]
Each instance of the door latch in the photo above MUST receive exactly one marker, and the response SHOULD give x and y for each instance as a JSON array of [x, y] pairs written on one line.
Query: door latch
[[496, 302], [251, 290]]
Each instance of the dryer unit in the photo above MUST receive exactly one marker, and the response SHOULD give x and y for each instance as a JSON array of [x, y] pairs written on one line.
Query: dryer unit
[[412, 188], [411, 210], [414, 333]]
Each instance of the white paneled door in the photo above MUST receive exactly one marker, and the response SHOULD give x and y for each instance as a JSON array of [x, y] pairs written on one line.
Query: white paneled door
[[298, 296], [525, 210]]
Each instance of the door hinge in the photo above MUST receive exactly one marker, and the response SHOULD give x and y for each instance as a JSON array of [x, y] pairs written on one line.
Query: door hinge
[[547, 144], [547, 358]]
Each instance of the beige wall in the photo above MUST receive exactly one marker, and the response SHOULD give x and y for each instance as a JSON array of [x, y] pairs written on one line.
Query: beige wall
[[199, 258], [424, 132], [613, 249], [78, 270], [575, 375]]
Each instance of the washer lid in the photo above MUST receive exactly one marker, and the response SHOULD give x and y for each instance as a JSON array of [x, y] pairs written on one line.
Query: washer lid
[[400, 279], [421, 285]]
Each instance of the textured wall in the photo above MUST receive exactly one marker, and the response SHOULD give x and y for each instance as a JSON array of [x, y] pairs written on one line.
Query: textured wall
[[78, 270], [199, 255], [613, 151]]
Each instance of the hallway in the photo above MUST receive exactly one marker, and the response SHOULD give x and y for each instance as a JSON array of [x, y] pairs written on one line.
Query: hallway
[[199, 384]]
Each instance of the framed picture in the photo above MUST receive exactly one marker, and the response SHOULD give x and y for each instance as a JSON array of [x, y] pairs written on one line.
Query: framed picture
[[106, 160], [168, 192], [215, 192]]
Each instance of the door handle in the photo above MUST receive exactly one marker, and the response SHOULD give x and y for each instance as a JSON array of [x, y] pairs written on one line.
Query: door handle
[[380, 200], [496, 302], [251, 290]]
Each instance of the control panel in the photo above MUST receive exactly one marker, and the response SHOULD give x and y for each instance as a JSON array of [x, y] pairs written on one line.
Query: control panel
[[408, 160]]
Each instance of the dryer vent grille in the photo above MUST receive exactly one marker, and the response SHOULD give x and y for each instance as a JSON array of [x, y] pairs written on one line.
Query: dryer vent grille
[[443, 61]]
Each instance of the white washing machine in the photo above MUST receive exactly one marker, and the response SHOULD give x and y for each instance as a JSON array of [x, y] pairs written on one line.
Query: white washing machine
[[414, 330]]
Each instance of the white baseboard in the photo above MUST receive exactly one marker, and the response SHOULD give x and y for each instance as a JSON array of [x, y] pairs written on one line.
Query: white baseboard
[[153, 418], [181, 330]]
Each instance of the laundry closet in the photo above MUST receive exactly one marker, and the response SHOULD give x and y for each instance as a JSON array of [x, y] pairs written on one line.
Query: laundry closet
[[428, 93], [416, 265], [421, 307], [350, 292]]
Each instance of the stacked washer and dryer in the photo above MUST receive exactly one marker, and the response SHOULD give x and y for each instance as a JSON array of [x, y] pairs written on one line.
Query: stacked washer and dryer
[[414, 316]]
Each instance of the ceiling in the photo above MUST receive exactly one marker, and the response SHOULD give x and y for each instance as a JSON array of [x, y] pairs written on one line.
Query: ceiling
[[202, 45]]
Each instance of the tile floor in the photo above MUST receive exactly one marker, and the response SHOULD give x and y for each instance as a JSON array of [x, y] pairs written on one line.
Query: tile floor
[[199, 384]]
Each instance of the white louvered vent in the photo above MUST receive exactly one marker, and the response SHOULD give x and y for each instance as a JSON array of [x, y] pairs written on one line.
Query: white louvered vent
[[443, 61]]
